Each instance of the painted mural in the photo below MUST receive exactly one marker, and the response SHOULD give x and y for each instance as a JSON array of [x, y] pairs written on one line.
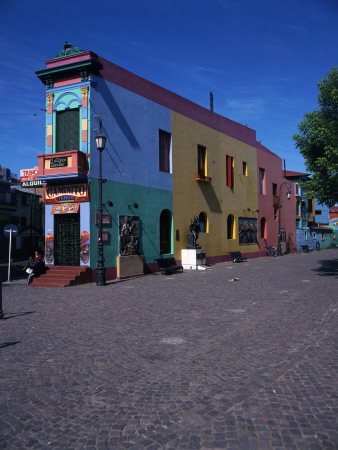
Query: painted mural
[[129, 235], [84, 247], [49, 256], [247, 230]]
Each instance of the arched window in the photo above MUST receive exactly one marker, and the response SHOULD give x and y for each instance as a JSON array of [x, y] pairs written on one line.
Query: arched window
[[165, 232], [203, 220], [263, 228], [231, 226]]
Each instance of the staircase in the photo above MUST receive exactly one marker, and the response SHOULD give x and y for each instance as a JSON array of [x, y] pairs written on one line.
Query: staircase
[[61, 276]]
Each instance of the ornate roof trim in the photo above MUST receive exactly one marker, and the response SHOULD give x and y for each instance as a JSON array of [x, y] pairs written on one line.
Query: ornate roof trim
[[68, 49]]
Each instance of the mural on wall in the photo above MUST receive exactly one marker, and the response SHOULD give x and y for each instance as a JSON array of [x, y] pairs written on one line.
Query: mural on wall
[[129, 235], [84, 247], [248, 230], [49, 256]]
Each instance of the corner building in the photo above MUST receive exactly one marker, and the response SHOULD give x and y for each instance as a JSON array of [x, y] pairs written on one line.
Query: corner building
[[166, 160]]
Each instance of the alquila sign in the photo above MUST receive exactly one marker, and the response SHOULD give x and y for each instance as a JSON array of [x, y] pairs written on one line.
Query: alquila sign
[[66, 193]]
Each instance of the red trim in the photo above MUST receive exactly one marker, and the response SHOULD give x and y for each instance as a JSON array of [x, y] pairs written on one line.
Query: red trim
[[121, 77]]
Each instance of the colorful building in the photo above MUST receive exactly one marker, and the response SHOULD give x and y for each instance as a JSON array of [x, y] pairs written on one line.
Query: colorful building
[[166, 160]]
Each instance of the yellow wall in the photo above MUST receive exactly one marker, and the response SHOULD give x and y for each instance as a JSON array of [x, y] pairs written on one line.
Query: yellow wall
[[191, 197]]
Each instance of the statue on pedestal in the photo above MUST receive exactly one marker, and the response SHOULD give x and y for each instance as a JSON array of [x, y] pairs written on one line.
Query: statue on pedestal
[[194, 231]]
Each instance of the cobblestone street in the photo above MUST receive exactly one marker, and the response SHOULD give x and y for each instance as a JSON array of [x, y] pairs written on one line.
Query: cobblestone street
[[187, 361]]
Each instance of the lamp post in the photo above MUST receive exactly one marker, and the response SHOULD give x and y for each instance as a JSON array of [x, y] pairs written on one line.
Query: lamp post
[[288, 196], [101, 270]]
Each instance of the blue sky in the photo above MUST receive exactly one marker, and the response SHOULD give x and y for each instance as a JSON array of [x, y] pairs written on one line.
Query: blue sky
[[262, 59]]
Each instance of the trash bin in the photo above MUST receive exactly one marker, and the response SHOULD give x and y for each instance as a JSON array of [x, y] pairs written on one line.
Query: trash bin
[[272, 250], [317, 245]]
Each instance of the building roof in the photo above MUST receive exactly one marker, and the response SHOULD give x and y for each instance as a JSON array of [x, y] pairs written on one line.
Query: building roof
[[23, 190], [291, 173], [333, 209]]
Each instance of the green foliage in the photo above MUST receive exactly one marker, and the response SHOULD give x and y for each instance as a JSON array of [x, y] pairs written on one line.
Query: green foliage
[[317, 141]]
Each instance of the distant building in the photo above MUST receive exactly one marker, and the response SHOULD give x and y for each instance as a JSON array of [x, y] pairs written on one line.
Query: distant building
[[22, 208], [312, 219]]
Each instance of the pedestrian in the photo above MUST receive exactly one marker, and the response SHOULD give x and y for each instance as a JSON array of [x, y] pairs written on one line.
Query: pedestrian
[[37, 267]]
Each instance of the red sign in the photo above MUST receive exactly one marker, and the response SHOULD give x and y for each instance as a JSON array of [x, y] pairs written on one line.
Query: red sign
[[28, 174], [67, 193]]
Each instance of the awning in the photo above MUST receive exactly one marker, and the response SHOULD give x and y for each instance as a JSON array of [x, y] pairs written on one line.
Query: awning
[[65, 208]]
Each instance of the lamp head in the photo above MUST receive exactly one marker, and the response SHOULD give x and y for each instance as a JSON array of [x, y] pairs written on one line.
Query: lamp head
[[100, 142]]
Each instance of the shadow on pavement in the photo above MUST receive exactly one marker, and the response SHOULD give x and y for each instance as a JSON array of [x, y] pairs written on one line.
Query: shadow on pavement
[[17, 315], [7, 344], [328, 268]]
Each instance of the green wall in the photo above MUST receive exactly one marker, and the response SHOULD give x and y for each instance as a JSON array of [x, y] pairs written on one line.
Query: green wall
[[151, 202]]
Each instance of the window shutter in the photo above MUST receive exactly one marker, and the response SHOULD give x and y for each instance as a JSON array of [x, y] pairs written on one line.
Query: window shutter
[[67, 130]]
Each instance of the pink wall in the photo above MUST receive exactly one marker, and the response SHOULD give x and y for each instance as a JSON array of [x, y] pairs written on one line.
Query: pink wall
[[274, 174]]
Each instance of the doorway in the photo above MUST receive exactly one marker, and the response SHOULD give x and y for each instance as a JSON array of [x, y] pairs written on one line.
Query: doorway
[[67, 239]]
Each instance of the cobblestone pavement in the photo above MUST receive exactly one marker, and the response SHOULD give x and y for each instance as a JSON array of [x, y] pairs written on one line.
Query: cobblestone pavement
[[187, 361]]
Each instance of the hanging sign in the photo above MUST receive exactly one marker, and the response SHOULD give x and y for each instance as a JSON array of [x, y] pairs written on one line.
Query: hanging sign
[[31, 184], [65, 208], [66, 193]]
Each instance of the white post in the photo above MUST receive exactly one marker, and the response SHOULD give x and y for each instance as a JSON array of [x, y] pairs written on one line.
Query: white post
[[9, 256]]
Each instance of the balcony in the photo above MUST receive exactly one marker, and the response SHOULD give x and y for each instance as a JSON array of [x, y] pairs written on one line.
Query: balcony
[[68, 164], [204, 178]]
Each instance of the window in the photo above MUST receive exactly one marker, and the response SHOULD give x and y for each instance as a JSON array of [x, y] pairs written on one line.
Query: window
[[263, 228], [165, 232], [318, 212], [297, 189], [314, 235], [231, 227], [305, 235], [298, 208], [202, 161], [274, 189], [245, 168], [309, 205], [164, 141], [262, 181], [230, 171], [67, 130], [203, 221], [323, 236], [275, 213]]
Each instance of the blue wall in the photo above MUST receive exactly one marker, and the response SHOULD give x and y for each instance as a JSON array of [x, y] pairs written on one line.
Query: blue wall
[[131, 124], [324, 217]]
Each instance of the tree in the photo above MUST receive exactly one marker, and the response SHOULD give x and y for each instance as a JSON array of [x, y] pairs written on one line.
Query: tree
[[317, 141]]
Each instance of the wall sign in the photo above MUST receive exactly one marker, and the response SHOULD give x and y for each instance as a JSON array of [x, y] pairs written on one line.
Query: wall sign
[[58, 162], [65, 208], [66, 193]]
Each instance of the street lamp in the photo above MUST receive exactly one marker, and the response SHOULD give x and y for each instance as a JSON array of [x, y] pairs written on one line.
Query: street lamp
[[101, 270], [288, 196]]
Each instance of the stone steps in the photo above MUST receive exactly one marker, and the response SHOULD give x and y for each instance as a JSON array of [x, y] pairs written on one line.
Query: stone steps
[[62, 276]]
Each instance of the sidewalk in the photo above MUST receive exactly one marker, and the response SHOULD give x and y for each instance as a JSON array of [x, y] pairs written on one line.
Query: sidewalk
[[192, 360]]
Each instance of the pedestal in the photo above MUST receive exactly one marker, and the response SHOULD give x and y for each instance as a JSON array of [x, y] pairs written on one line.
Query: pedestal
[[129, 266], [193, 259]]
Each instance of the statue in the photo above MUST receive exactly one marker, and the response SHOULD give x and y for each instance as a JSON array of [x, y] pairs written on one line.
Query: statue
[[194, 231]]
